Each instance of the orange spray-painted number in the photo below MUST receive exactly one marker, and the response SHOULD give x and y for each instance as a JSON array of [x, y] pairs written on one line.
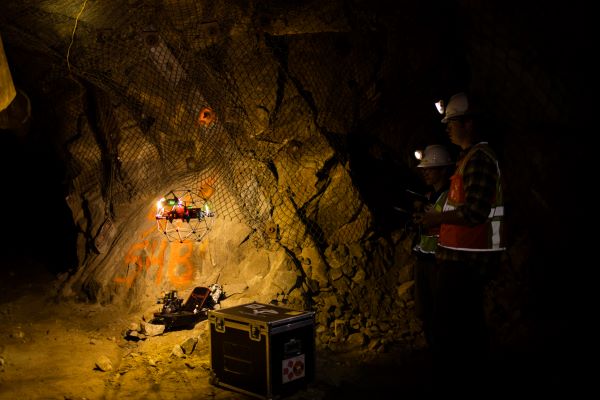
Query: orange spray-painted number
[[180, 269]]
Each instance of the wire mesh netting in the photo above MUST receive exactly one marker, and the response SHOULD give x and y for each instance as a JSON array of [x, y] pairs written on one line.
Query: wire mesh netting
[[252, 101]]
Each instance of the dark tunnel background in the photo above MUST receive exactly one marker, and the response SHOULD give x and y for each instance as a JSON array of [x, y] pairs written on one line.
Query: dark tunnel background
[[39, 232]]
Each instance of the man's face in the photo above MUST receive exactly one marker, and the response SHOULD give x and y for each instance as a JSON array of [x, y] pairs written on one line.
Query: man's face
[[433, 175], [456, 132]]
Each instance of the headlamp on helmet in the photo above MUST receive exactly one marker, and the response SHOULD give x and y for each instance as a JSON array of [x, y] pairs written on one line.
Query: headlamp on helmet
[[434, 156], [440, 106], [457, 107]]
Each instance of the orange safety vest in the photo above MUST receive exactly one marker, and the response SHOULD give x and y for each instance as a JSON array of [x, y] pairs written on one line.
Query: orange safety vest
[[488, 236]]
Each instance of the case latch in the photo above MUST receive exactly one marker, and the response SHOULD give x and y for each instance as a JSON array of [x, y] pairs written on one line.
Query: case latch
[[219, 325], [254, 332]]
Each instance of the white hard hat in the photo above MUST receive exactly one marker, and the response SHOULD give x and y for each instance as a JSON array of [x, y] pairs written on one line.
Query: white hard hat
[[457, 106], [435, 155]]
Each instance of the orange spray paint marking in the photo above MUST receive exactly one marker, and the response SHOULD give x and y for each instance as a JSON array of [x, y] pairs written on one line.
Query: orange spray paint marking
[[180, 258], [159, 260], [206, 116], [147, 253], [134, 257], [151, 215], [206, 188]]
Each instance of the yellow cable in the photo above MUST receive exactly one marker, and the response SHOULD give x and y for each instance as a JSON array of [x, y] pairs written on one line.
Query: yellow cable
[[73, 34]]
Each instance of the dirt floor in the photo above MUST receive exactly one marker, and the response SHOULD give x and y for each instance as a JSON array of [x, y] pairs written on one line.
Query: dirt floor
[[57, 350], [52, 350]]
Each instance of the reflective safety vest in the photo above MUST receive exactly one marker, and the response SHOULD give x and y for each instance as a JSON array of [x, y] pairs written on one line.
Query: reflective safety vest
[[429, 240], [487, 236]]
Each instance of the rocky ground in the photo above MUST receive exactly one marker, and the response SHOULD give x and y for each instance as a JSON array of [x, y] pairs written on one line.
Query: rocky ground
[[55, 350], [68, 350]]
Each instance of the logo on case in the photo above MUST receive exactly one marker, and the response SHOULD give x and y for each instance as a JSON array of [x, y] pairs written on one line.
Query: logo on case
[[293, 368]]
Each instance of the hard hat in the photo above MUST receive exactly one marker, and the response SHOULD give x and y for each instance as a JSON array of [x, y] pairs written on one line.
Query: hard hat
[[457, 106], [435, 156]]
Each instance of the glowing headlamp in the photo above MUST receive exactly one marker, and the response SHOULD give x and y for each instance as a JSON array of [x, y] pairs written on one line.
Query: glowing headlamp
[[440, 106]]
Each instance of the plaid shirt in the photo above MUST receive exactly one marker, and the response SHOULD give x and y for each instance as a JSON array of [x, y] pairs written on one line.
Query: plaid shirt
[[479, 177]]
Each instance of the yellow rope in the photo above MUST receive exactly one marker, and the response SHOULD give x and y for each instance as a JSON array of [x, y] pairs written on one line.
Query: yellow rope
[[73, 34]]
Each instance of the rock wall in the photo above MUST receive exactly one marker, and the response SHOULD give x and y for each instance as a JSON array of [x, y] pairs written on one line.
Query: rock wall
[[297, 122]]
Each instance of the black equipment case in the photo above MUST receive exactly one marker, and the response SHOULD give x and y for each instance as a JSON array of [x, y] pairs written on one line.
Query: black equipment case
[[262, 350]]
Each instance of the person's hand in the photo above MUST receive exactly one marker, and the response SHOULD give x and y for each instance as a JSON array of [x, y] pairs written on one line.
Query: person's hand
[[430, 217], [418, 206], [417, 217]]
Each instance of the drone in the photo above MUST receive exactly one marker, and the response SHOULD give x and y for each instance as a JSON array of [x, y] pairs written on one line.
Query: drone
[[182, 216]]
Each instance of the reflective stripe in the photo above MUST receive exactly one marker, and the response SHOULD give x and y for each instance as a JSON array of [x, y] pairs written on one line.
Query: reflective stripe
[[471, 249], [496, 212], [421, 250], [495, 234], [448, 207]]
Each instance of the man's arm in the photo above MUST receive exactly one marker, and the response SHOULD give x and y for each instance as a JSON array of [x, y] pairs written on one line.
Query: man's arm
[[479, 177]]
